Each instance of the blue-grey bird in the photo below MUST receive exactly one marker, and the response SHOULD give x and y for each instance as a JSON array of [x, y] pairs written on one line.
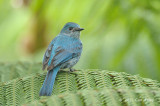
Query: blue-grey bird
[[64, 51]]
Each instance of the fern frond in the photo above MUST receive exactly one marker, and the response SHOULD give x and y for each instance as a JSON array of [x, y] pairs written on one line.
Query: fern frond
[[85, 80], [14, 94], [83, 87], [34, 103], [66, 82], [10, 71], [129, 97], [91, 98], [73, 100], [102, 79], [31, 86], [2, 95], [151, 83], [146, 96], [119, 79], [105, 96], [110, 97], [157, 95], [54, 101], [137, 81]]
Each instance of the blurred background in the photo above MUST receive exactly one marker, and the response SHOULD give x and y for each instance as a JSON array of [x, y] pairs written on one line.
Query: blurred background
[[119, 35]]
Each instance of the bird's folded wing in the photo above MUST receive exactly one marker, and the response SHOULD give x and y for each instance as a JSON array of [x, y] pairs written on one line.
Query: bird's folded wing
[[55, 56], [60, 57], [47, 55]]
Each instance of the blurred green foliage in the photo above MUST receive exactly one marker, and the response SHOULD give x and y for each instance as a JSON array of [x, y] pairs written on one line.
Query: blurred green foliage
[[119, 35]]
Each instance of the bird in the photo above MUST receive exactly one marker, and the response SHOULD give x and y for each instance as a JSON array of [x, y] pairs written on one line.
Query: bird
[[64, 51]]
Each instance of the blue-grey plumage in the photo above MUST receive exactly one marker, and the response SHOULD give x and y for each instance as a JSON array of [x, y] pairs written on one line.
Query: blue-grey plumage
[[64, 51]]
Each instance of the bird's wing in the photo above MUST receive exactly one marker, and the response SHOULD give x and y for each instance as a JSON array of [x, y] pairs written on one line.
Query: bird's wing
[[47, 54], [54, 57], [61, 56]]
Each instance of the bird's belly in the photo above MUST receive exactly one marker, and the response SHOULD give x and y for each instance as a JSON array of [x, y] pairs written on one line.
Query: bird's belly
[[70, 63]]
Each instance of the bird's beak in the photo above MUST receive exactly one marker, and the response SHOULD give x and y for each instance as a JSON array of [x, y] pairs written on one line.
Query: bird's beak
[[79, 29]]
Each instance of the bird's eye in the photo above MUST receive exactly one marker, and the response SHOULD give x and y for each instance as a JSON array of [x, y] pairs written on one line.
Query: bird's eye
[[70, 28]]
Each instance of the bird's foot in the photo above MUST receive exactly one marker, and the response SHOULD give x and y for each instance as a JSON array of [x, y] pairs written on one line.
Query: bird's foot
[[72, 70]]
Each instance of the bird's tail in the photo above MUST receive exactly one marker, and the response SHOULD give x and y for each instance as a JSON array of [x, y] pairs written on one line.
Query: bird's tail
[[47, 87]]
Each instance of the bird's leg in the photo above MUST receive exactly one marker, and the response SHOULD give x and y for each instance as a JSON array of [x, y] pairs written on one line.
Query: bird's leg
[[62, 70], [71, 70]]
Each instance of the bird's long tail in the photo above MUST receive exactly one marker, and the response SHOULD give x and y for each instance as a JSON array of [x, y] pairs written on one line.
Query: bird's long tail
[[47, 87]]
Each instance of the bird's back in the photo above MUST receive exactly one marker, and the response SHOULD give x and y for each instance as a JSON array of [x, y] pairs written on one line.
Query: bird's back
[[68, 43]]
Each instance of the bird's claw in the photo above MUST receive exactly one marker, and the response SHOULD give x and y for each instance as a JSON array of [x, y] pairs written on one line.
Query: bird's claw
[[71, 70]]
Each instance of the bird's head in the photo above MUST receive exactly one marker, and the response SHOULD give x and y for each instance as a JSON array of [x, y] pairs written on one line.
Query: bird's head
[[71, 29]]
